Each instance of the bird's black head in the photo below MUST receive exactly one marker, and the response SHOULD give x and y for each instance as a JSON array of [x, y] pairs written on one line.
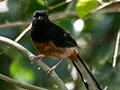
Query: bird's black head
[[40, 15]]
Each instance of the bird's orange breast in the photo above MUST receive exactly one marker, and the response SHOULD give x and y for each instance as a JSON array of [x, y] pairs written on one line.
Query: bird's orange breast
[[50, 49]]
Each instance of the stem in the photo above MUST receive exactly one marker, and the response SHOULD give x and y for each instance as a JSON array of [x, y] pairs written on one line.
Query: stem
[[116, 49], [21, 85]]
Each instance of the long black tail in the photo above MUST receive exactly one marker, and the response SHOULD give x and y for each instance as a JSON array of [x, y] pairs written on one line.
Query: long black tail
[[86, 76]]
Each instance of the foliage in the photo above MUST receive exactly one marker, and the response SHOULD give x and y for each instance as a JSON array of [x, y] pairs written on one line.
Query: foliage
[[83, 7]]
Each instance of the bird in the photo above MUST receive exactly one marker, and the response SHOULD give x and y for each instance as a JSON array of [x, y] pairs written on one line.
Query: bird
[[54, 42]]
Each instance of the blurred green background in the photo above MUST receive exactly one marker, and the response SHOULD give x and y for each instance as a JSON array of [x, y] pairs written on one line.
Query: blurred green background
[[96, 36]]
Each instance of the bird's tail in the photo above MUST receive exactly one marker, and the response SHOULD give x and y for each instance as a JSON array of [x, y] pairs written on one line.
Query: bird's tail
[[86, 76]]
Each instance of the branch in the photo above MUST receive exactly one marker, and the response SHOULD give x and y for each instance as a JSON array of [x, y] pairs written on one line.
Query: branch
[[59, 15], [20, 36], [116, 49], [111, 6], [23, 33], [28, 55], [14, 24], [21, 85], [55, 6], [60, 4]]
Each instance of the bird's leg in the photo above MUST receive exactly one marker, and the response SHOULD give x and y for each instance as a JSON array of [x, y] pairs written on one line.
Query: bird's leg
[[53, 68], [33, 59]]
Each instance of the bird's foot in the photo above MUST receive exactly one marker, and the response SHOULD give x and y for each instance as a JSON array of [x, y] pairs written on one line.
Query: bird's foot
[[33, 59], [53, 68]]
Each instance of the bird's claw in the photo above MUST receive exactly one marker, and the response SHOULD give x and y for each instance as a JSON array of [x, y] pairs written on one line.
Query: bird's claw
[[33, 59]]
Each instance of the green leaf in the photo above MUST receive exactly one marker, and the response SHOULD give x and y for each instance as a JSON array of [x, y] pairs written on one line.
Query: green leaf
[[20, 72], [83, 7], [40, 2]]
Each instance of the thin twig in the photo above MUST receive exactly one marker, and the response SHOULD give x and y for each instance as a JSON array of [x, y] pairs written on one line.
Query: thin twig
[[111, 6], [23, 33], [55, 6], [106, 87], [20, 36], [21, 85], [116, 49], [60, 4], [28, 55], [59, 15], [14, 24]]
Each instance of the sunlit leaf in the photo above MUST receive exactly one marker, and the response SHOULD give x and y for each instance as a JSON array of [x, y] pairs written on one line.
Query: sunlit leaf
[[83, 7], [40, 2], [20, 72]]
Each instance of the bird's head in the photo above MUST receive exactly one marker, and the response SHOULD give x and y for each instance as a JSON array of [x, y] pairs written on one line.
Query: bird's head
[[40, 15]]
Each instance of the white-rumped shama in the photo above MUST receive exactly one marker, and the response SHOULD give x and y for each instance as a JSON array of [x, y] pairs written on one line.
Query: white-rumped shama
[[51, 40]]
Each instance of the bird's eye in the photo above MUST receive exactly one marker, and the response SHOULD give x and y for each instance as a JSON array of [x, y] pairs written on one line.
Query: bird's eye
[[39, 17]]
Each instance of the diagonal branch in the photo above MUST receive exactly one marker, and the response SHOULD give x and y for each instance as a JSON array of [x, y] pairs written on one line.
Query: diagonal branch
[[57, 5], [116, 49], [23, 33], [28, 55], [21, 85], [108, 7], [60, 4]]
